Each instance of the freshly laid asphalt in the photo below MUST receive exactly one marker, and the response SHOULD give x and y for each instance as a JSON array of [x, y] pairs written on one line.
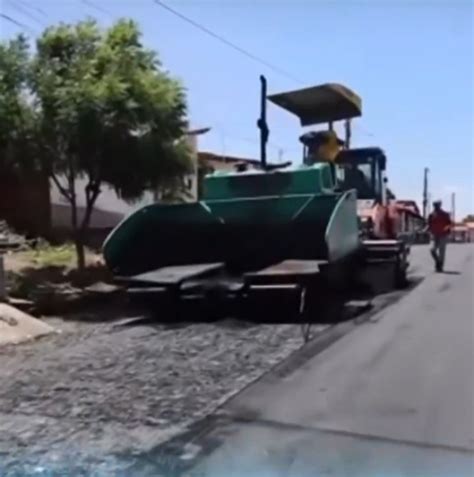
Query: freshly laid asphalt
[[394, 397]]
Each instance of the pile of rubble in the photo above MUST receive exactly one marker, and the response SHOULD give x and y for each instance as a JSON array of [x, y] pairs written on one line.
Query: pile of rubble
[[9, 239]]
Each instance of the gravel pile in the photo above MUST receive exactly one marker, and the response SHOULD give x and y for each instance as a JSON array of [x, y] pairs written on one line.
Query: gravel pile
[[9, 238], [85, 396]]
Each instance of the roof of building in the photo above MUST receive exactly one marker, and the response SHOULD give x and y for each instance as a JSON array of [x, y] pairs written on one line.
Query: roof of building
[[408, 210], [197, 131], [411, 204]]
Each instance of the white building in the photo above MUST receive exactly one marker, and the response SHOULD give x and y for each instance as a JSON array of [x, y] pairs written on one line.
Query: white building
[[109, 209]]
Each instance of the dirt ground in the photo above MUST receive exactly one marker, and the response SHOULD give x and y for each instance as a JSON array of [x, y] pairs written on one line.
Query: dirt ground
[[72, 403]]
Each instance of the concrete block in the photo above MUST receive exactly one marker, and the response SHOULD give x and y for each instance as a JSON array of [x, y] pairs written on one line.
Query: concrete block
[[17, 326]]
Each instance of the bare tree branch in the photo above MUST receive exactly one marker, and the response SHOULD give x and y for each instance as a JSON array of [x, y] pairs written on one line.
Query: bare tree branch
[[61, 189], [92, 191]]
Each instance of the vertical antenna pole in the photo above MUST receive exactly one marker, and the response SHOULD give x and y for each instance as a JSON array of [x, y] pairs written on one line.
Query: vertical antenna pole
[[425, 194]]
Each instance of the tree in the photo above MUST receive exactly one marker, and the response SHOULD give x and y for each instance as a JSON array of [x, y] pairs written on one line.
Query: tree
[[16, 114], [103, 110]]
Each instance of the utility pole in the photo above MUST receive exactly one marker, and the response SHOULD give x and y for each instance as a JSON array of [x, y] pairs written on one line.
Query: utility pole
[[425, 193], [262, 122], [453, 207]]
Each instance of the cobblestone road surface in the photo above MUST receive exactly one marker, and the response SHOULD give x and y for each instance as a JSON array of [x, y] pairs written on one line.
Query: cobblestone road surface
[[98, 390]]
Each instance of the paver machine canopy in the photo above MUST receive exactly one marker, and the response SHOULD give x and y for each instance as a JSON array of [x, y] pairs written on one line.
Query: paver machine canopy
[[322, 104]]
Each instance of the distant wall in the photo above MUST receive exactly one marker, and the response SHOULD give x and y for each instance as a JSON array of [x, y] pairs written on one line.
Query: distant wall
[[108, 211]]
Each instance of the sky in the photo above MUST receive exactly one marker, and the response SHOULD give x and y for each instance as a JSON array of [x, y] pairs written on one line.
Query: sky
[[411, 62]]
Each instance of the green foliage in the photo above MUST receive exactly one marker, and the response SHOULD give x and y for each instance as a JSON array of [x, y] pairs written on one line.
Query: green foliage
[[94, 104], [108, 109], [51, 256], [16, 114]]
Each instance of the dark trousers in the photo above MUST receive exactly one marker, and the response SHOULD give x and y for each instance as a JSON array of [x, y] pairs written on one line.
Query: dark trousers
[[438, 249]]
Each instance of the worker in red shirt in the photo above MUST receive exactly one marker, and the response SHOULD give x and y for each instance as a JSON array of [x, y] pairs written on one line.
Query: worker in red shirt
[[439, 225]]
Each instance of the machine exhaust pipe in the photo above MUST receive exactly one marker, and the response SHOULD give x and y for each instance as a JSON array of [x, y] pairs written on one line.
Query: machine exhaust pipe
[[262, 122]]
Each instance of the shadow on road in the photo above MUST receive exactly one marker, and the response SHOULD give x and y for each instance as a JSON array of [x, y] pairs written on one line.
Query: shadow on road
[[335, 308]]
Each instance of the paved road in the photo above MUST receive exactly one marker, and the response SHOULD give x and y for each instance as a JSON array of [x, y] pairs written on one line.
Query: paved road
[[395, 397]]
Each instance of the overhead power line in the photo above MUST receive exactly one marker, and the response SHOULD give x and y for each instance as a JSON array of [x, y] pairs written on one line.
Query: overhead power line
[[24, 11], [33, 7], [230, 44], [17, 23], [96, 7]]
